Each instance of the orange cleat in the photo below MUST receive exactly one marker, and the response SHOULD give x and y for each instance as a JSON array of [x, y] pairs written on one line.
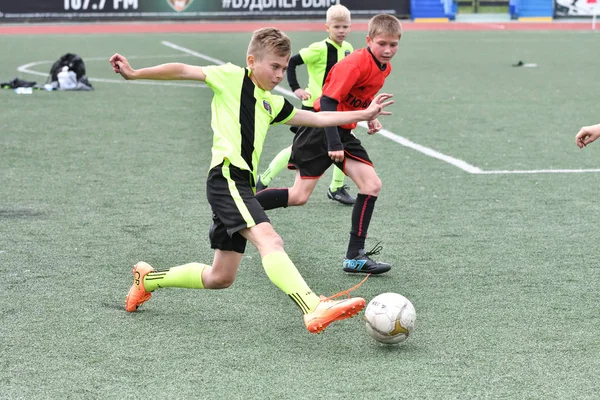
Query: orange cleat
[[137, 294], [330, 310]]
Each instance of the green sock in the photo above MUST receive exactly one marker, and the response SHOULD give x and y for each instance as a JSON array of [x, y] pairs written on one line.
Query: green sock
[[184, 276], [337, 180], [276, 166], [283, 273]]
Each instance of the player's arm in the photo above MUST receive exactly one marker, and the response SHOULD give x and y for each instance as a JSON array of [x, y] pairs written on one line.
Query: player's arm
[[340, 81], [171, 71], [587, 135], [291, 71], [293, 80], [325, 118], [334, 142]]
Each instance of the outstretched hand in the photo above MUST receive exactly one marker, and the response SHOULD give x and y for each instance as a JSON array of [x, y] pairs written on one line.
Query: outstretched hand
[[378, 104], [121, 66], [587, 135]]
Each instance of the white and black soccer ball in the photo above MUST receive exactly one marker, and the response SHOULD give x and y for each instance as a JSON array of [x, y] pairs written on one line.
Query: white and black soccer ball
[[390, 318]]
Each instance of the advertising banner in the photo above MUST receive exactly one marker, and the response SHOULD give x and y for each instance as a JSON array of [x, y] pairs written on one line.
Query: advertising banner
[[576, 8], [189, 9]]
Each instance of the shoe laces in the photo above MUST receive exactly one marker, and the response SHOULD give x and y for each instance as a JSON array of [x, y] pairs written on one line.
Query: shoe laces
[[347, 291], [374, 251]]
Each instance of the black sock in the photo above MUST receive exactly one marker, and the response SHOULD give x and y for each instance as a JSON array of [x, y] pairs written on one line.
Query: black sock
[[361, 218], [273, 198]]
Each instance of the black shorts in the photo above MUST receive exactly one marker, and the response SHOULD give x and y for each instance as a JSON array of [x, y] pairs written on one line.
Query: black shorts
[[309, 151], [231, 197]]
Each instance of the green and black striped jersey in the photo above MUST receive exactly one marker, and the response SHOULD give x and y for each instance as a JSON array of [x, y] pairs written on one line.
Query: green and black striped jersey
[[241, 116], [319, 58]]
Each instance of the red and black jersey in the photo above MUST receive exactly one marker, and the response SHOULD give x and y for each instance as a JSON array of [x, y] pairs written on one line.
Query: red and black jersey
[[354, 81]]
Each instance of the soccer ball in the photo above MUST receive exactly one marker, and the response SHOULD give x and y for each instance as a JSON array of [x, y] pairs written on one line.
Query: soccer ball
[[390, 318]]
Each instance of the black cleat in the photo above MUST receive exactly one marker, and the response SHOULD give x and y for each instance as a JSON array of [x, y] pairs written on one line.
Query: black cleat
[[364, 264], [259, 185], [341, 195]]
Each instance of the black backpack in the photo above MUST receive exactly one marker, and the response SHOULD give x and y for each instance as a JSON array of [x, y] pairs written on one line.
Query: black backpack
[[73, 61], [75, 64]]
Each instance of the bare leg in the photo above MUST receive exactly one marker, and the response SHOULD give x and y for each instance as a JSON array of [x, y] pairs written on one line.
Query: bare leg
[[301, 191], [364, 176], [223, 270]]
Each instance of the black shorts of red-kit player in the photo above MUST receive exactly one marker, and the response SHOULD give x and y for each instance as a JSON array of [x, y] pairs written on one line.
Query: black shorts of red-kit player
[[361, 218], [310, 154], [273, 198]]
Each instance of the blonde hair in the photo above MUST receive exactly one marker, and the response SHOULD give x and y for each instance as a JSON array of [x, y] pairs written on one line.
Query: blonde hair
[[385, 25], [269, 40], [337, 12]]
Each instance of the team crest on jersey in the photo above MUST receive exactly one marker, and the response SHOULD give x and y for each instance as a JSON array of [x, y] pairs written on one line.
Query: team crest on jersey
[[346, 53], [267, 106], [179, 5]]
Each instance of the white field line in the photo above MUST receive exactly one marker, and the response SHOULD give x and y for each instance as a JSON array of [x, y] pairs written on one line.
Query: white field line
[[26, 69], [540, 171]]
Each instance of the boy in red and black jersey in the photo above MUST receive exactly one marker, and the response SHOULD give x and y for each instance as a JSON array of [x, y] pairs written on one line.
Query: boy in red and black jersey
[[350, 85]]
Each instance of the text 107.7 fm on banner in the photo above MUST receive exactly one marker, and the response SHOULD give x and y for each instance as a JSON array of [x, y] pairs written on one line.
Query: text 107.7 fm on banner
[[100, 5]]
